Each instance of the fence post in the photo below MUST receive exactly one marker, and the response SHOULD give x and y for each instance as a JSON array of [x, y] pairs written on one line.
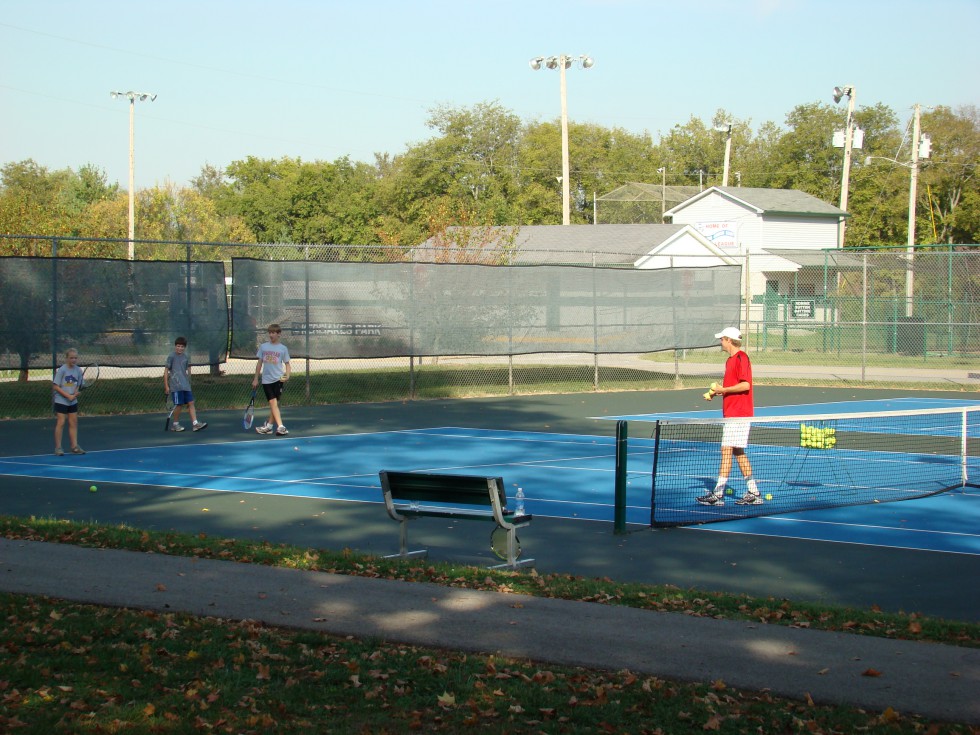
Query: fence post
[[54, 306]]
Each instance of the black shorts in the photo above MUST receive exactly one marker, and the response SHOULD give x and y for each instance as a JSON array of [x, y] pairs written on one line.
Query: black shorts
[[62, 408], [272, 390]]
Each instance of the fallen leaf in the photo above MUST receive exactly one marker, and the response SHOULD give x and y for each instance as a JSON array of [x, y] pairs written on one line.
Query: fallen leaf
[[446, 699], [890, 715], [870, 672]]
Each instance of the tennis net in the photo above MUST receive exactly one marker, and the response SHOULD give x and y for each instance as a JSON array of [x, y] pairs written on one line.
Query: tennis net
[[808, 462]]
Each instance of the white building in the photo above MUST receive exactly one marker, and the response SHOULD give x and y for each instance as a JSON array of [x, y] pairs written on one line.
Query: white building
[[754, 224]]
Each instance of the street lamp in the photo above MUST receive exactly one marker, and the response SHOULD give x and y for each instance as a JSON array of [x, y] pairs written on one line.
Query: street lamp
[[727, 130], [921, 145], [562, 62], [132, 97], [839, 94]]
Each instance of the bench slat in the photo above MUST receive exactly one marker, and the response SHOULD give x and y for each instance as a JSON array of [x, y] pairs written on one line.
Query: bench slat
[[457, 489]]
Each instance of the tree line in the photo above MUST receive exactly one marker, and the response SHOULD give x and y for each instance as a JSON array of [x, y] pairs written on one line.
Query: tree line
[[484, 166]]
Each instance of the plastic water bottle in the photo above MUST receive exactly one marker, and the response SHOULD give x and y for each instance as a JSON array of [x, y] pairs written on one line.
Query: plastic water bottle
[[519, 502]]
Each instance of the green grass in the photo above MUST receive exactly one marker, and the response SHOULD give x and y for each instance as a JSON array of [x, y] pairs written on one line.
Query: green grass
[[80, 668], [32, 399]]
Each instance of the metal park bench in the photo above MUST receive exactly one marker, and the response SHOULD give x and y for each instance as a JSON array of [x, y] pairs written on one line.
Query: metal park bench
[[411, 495]]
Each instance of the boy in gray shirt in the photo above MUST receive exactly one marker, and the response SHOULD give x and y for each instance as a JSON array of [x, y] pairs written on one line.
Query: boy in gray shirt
[[177, 381]]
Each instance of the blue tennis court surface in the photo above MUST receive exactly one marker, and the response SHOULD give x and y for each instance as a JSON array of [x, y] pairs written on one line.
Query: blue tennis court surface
[[563, 475]]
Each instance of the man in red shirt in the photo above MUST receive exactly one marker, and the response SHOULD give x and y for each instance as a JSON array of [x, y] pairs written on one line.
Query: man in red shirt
[[736, 393]]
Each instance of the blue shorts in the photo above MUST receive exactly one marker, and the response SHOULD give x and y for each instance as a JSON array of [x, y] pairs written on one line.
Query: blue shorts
[[183, 397]]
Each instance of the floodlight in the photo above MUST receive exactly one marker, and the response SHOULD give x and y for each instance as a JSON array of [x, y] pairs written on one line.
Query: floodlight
[[563, 62]]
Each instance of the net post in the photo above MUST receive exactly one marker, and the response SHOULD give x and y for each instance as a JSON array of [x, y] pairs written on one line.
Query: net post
[[619, 509], [653, 475]]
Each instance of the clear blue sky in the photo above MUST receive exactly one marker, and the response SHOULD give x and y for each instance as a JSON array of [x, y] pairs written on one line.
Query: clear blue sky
[[323, 79]]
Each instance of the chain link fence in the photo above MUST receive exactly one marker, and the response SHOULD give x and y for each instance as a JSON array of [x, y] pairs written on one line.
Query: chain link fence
[[874, 318]]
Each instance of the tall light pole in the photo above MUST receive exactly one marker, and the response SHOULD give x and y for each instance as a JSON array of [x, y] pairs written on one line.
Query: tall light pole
[[921, 146], [132, 97], [663, 191], [562, 62], [913, 184], [727, 130], [839, 94]]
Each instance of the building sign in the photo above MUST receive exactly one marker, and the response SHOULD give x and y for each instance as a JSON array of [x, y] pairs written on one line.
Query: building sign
[[802, 309], [720, 234], [327, 329]]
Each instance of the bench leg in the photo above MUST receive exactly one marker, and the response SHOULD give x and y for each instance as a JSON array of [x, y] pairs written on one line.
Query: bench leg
[[403, 552], [512, 561]]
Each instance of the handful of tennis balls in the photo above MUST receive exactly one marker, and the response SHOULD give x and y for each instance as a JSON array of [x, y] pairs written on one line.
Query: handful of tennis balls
[[813, 437], [708, 395]]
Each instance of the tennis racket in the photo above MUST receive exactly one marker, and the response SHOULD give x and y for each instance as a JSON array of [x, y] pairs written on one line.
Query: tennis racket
[[498, 544], [249, 413], [171, 405], [89, 376]]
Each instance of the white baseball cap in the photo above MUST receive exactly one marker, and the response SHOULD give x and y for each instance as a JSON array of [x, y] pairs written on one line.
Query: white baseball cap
[[730, 332]]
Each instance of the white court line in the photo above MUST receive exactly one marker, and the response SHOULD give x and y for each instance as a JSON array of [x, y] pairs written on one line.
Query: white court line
[[830, 541], [871, 526]]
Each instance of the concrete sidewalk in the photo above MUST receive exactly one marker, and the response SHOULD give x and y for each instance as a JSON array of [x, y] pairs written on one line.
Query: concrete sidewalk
[[937, 681]]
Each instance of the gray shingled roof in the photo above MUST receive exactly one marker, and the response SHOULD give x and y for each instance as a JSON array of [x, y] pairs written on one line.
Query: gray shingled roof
[[579, 243], [778, 201], [583, 244]]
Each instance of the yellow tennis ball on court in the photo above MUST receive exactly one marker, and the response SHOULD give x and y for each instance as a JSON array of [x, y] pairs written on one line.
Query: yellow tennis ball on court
[[768, 496], [729, 491], [93, 489]]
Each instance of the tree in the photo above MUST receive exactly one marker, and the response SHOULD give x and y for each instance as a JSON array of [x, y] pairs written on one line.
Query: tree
[[693, 154], [949, 177], [30, 204], [292, 201]]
